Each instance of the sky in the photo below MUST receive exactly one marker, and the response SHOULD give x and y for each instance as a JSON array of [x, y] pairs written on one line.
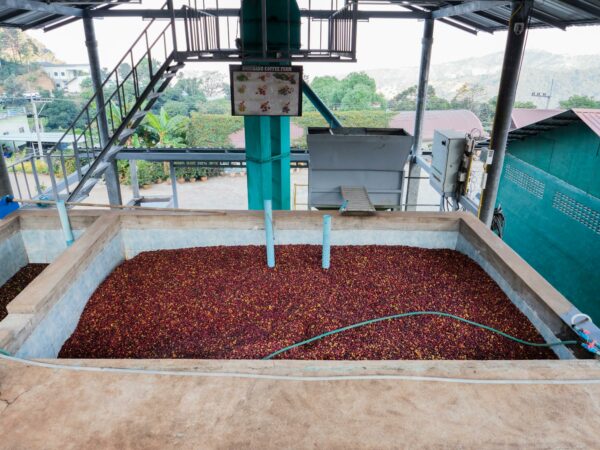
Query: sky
[[382, 43]]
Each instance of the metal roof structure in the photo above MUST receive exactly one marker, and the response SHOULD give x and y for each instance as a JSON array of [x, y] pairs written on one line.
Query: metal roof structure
[[460, 120], [490, 16], [28, 14], [522, 117], [591, 117], [50, 137], [471, 16]]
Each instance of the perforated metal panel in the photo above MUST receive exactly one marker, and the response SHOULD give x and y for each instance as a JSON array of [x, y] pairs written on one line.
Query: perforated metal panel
[[577, 211], [524, 181], [555, 227]]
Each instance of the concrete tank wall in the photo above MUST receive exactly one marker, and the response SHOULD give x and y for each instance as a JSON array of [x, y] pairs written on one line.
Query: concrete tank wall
[[48, 311]]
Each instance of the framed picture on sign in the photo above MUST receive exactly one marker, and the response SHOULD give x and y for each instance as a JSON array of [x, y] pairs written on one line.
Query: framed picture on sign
[[266, 91]]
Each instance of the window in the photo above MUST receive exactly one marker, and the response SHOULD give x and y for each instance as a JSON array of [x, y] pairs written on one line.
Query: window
[[21, 129], [62, 74], [55, 74]]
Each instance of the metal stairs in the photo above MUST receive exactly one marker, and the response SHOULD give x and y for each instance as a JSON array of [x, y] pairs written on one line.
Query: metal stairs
[[126, 129], [109, 120]]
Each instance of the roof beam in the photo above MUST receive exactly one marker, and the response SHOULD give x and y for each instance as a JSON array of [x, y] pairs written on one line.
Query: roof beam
[[233, 12], [466, 8], [585, 7], [548, 19], [446, 21], [51, 8]]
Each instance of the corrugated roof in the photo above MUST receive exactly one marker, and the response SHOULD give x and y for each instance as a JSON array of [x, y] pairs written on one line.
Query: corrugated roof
[[460, 120], [591, 117], [546, 13], [42, 13], [522, 117]]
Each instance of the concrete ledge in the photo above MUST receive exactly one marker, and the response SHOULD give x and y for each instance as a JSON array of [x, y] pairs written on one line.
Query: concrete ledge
[[53, 282]]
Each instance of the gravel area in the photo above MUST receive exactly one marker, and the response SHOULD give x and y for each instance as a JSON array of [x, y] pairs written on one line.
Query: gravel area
[[224, 303]]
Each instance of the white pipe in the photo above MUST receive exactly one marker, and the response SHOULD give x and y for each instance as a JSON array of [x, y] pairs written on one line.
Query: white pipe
[[64, 221], [258, 376]]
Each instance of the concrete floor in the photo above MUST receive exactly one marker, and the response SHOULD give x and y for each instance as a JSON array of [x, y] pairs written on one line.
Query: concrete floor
[[46, 408]]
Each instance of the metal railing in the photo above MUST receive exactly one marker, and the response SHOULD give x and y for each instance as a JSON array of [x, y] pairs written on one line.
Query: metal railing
[[121, 89], [214, 33]]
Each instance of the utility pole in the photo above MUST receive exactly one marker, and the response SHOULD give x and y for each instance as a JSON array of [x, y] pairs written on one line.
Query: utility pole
[[547, 96], [36, 121]]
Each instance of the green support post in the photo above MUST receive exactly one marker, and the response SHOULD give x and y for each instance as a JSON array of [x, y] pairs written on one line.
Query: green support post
[[258, 160], [280, 154], [268, 138]]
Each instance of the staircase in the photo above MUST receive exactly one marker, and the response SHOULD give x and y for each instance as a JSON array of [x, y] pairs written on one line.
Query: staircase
[[109, 120]]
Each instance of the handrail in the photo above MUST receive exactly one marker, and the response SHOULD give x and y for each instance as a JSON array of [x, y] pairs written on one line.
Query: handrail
[[114, 72]]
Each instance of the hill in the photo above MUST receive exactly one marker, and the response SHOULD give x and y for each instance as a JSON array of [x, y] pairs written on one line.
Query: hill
[[573, 75]]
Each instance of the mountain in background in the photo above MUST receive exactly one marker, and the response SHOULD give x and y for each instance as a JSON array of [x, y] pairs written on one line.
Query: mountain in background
[[573, 75], [19, 58]]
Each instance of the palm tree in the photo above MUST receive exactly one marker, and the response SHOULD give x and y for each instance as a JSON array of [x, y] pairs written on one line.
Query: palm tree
[[167, 128]]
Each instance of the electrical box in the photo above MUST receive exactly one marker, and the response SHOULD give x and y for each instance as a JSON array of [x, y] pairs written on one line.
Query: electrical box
[[447, 152]]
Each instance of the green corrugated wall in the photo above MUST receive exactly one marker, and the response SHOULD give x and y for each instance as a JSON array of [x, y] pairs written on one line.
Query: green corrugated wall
[[550, 195]]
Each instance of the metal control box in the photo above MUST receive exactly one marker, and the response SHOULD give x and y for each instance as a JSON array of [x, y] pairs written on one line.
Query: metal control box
[[447, 152]]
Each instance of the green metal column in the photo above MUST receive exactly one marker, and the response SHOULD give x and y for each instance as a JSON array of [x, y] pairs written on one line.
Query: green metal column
[[268, 161], [268, 138], [280, 154], [258, 160]]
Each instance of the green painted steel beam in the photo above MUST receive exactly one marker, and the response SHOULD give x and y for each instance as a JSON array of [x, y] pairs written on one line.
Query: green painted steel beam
[[327, 114]]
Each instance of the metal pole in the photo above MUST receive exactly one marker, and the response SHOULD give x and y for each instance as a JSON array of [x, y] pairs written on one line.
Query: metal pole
[[263, 7], [270, 241], [36, 122], [5, 187], [511, 67], [326, 241], [173, 176], [111, 175], [414, 171], [135, 184]]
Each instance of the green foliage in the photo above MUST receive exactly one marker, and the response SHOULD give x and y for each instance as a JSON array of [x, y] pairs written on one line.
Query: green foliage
[[168, 131], [407, 100], [357, 91], [207, 130], [580, 101], [527, 105], [367, 119], [60, 114]]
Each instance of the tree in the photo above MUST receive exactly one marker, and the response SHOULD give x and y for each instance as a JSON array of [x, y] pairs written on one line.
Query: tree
[[360, 97], [580, 101], [468, 97], [326, 87], [212, 83], [60, 114], [13, 87], [169, 130], [407, 100], [528, 105]]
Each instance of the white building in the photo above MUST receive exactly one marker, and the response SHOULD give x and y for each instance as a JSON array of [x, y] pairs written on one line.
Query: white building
[[67, 77], [14, 123]]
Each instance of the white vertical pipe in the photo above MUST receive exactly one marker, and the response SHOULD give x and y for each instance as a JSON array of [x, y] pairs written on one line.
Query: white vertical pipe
[[269, 233], [64, 221]]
